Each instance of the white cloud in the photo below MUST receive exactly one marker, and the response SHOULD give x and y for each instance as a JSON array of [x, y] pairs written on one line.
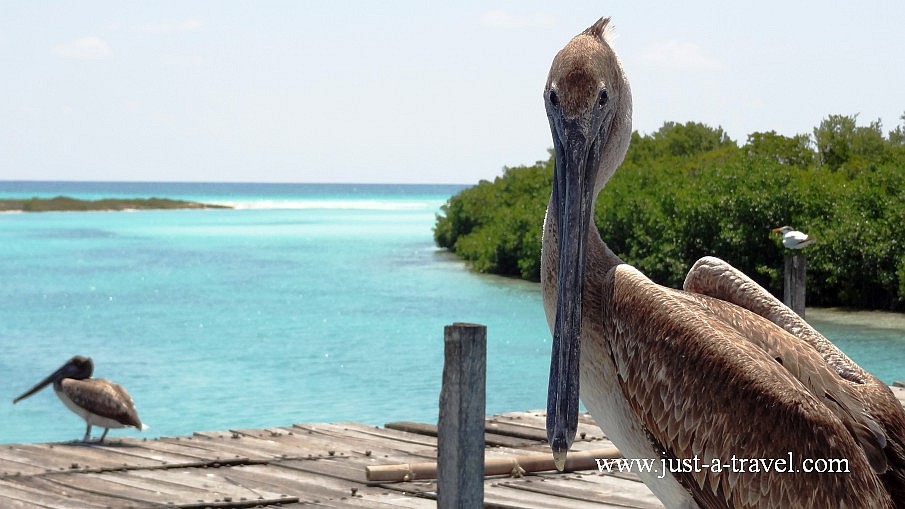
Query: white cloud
[[499, 18], [84, 48], [188, 25], [679, 55]]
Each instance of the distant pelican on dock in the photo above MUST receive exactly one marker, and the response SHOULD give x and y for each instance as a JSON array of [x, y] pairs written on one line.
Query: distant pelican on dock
[[716, 385], [98, 401], [794, 239]]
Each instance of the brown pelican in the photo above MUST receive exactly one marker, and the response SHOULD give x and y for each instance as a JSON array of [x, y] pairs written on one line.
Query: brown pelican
[[718, 385], [794, 239], [98, 401]]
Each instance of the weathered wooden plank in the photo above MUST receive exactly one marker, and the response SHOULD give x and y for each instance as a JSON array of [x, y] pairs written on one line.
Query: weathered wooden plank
[[15, 464], [62, 457], [379, 500], [576, 490], [85, 486], [256, 445], [150, 453], [592, 487], [64, 495], [517, 430], [314, 487], [353, 470], [179, 451], [339, 442], [507, 496], [491, 438], [145, 485], [538, 419], [388, 442], [301, 443], [214, 449], [159, 487], [197, 486], [230, 445], [348, 469], [14, 495], [369, 432]]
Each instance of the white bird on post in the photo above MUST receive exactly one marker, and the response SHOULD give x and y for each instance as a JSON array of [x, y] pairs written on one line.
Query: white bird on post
[[794, 239]]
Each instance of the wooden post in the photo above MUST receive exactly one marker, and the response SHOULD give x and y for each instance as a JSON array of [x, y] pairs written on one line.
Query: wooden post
[[460, 430], [793, 282]]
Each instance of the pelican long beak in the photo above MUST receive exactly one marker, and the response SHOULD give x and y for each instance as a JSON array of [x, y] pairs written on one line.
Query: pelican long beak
[[65, 371], [573, 187]]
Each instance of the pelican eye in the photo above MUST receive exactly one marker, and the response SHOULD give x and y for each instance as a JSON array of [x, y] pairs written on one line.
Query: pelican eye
[[554, 98], [602, 97]]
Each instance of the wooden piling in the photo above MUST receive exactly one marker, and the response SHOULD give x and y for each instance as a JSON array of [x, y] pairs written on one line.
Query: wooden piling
[[794, 282], [460, 429]]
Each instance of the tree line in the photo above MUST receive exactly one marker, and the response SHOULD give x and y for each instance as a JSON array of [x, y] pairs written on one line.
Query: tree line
[[688, 190]]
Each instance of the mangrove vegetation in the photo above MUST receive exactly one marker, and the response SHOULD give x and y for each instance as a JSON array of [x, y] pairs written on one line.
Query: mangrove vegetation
[[688, 190], [68, 204]]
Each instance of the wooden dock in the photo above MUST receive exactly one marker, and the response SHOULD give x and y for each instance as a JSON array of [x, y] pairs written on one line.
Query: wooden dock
[[298, 466]]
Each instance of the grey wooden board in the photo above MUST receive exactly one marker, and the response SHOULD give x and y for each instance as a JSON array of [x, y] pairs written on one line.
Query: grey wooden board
[[491, 438], [176, 487], [376, 500], [48, 492], [334, 441], [596, 488], [13, 495], [61, 457]]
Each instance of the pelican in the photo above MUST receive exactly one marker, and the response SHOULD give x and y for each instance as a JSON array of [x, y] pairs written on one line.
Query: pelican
[[794, 239], [98, 401], [704, 382]]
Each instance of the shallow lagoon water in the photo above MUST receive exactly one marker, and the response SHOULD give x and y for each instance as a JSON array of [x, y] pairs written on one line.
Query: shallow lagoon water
[[305, 303]]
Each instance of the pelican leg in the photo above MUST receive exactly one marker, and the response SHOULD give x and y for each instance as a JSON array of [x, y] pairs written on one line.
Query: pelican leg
[[101, 440], [87, 437]]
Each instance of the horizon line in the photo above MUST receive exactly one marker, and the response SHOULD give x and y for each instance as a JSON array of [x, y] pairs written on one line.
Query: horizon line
[[96, 181]]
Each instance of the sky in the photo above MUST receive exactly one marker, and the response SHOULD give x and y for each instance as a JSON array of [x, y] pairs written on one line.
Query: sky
[[404, 92]]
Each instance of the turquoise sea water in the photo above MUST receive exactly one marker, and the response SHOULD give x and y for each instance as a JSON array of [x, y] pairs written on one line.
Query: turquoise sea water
[[304, 303]]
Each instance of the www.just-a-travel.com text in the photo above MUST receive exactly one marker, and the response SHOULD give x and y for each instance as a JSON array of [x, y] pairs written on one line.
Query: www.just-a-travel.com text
[[786, 465]]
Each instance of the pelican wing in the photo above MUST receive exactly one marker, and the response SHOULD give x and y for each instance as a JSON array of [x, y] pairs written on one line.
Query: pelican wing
[[702, 388], [104, 398], [804, 363], [716, 279]]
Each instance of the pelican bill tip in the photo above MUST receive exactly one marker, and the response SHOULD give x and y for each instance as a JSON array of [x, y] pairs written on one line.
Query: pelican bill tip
[[559, 459]]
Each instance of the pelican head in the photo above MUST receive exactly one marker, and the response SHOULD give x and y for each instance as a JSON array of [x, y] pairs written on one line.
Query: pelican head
[[588, 104], [78, 368]]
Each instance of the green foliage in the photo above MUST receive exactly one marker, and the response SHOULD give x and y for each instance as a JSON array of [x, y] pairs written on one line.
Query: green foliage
[[687, 191], [794, 151], [842, 145], [496, 226]]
